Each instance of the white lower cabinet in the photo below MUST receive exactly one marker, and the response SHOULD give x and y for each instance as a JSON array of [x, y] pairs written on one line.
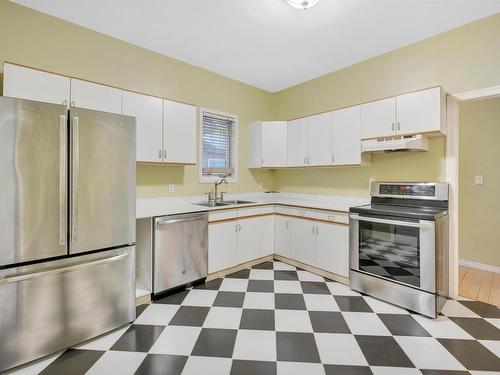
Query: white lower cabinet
[[316, 243], [282, 235], [302, 241], [248, 239], [332, 248], [222, 245], [267, 230]]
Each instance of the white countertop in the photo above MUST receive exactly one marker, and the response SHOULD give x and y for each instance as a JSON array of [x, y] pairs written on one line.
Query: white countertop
[[150, 207]]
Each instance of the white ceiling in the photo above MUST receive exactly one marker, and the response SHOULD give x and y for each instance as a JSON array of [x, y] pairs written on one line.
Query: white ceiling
[[267, 43]]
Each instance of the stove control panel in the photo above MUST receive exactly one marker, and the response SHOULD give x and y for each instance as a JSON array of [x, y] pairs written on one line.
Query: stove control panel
[[435, 190]]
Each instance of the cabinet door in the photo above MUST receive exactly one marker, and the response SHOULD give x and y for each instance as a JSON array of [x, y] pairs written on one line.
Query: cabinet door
[[347, 136], [97, 97], [378, 118], [282, 235], [302, 241], [419, 112], [222, 245], [148, 113], [25, 83], [249, 239], [254, 133], [297, 143], [273, 143], [332, 248], [179, 142], [267, 235], [320, 139]]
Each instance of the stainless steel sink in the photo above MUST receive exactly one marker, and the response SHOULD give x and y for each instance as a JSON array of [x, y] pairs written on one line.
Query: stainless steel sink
[[223, 203], [212, 204], [236, 201]]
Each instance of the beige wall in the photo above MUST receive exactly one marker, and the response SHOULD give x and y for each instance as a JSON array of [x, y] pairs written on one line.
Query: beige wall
[[459, 60], [34, 39], [479, 154]]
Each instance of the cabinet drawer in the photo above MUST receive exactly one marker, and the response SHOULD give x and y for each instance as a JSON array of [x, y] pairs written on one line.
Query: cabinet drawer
[[253, 211], [300, 212], [282, 210], [338, 217], [222, 215]]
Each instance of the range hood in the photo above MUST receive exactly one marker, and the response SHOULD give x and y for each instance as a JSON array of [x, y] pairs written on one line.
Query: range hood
[[403, 143]]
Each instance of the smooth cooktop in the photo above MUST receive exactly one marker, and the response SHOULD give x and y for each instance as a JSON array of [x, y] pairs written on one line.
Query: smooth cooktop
[[411, 212]]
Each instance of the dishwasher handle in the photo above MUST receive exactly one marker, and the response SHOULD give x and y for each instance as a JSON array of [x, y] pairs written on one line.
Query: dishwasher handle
[[179, 218]]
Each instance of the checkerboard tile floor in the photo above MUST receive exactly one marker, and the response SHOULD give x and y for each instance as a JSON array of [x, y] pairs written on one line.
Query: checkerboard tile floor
[[276, 319]]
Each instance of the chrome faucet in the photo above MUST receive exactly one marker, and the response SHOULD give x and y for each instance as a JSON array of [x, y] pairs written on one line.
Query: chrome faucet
[[216, 197]]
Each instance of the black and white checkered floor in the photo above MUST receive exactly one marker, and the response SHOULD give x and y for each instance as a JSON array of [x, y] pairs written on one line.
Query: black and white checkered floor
[[276, 319]]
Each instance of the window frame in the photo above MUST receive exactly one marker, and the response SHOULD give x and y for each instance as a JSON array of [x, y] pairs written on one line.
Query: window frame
[[212, 179]]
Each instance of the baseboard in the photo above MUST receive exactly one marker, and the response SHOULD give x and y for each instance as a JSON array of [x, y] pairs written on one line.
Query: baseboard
[[480, 266], [239, 267]]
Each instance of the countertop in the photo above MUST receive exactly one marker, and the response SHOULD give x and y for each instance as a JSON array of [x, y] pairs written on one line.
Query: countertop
[[151, 207]]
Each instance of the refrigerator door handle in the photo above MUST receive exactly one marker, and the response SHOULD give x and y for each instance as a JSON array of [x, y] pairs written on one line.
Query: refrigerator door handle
[[30, 275], [74, 180], [62, 180]]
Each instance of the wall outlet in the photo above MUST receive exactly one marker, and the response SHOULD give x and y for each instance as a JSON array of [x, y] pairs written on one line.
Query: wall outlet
[[479, 180], [171, 188]]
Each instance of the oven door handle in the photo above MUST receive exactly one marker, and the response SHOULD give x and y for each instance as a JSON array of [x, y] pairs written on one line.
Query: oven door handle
[[417, 224]]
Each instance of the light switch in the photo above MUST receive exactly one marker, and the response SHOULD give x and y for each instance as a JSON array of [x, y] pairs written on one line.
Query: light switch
[[479, 180], [171, 188]]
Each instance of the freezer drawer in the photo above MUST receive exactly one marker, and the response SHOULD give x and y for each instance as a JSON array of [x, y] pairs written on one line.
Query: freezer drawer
[[180, 250], [49, 306]]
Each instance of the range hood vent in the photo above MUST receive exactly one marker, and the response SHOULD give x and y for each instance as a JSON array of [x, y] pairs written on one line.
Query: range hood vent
[[408, 143]]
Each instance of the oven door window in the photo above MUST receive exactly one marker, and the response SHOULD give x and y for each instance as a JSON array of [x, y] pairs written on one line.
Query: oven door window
[[390, 251]]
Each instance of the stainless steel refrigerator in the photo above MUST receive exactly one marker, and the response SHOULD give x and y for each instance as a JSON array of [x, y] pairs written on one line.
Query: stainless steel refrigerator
[[67, 227]]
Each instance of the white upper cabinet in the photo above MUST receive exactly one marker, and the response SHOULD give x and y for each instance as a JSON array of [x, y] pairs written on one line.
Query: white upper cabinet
[[378, 118], [274, 144], [148, 112], [413, 113], [97, 97], [297, 142], [268, 144], [320, 139], [420, 111], [25, 83], [346, 148], [179, 132]]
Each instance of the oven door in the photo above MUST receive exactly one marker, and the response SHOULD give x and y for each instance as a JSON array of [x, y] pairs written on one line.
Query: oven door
[[401, 251]]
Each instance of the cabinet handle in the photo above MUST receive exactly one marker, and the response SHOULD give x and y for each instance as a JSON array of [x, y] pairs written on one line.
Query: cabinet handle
[[392, 126], [262, 161], [239, 227], [305, 159], [308, 160], [333, 158], [165, 155], [159, 154], [235, 228], [399, 126], [317, 230]]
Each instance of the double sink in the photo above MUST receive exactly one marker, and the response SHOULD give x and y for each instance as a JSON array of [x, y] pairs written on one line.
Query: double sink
[[223, 203]]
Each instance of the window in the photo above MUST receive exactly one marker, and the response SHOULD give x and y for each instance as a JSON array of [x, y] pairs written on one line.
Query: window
[[218, 145]]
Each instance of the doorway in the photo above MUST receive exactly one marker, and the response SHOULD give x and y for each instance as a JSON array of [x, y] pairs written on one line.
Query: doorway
[[479, 200]]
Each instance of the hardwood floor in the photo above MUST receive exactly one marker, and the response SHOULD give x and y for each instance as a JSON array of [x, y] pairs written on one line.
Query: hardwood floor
[[479, 285]]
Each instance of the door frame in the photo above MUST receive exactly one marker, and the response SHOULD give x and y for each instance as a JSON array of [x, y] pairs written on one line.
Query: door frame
[[452, 173]]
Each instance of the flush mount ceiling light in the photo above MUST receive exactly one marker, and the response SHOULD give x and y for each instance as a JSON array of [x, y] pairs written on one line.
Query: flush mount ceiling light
[[302, 4]]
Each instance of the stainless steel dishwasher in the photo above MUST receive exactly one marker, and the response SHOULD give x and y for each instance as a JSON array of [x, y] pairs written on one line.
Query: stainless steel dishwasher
[[180, 250]]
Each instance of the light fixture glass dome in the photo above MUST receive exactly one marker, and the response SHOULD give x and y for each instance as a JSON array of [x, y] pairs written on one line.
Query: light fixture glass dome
[[302, 4]]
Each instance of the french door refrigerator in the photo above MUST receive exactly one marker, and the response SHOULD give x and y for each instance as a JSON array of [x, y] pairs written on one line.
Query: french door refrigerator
[[67, 223]]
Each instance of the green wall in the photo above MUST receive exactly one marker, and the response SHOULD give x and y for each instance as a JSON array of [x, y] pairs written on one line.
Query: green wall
[[34, 39], [459, 60], [479, 205]]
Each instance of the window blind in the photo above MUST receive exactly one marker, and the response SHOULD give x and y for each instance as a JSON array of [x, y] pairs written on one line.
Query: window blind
[[218, 139]]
